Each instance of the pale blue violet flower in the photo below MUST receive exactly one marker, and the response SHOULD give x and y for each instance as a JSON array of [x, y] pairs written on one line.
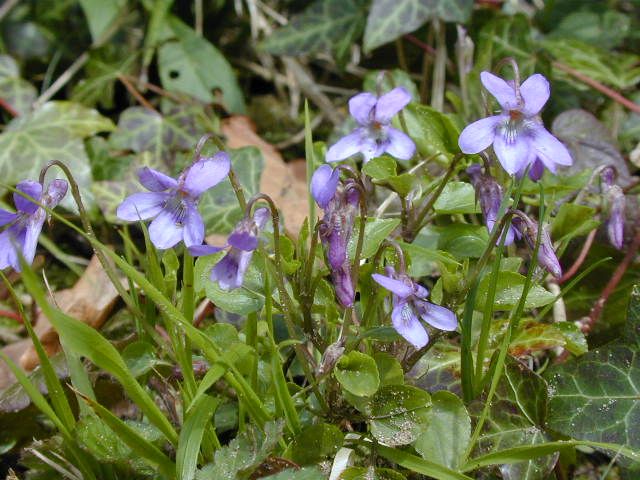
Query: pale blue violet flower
[[410, 304], [230, 270], [375, 135], [173, 204], [340, 201], [517, 134], [23, 228], [489, 194]]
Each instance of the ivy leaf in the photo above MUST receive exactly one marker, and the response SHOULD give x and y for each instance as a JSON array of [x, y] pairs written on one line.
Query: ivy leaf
[[219, 206], [14, 90], [326, 25], [388, 19], [55, 130], [632, 330], [438, 369], [517, 417], [189, 64], [590, 143], [243, 454], [141, 129]]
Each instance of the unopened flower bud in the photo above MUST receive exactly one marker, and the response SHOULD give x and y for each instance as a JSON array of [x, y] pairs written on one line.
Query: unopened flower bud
[[615, 224], [546, 255]]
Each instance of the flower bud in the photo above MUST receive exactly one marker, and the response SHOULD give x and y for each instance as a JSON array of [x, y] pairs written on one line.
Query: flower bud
[[546, 255]]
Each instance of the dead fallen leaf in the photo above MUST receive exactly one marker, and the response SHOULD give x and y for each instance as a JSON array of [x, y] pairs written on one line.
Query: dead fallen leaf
[[90, 300], [284, 182]]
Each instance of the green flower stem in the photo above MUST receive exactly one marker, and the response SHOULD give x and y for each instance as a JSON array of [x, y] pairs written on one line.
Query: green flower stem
[[188, 308], [307, 293], [416, 225], [310, 159], [304, 357], [514, 320], [235, 184], [470, 291], [86, 223], [233, 377]]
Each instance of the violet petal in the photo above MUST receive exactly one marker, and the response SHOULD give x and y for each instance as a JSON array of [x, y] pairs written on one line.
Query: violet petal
[[155, 181], [164, 232], [141, 206], [549, 149], [400, 144], [345, 147], [500, 89], [513, 155], [30, 188], [206, 173], [535, 92], [439, 317], [477, 136], [391, 103], [360, 107], [324, 183], [193, 227], [407, 324], [397, 287]]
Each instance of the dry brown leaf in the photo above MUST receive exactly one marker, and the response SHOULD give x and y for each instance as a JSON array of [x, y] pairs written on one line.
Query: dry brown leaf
[[90, 300], [284, 182]]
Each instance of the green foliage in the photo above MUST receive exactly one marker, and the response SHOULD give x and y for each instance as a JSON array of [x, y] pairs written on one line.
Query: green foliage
[[326, 25], [594, 397], [185, 62], [447, 434], [358, 374], [14, 90], [389, 20], [54, 131], [457, 197], [434, 132], [508, 292]]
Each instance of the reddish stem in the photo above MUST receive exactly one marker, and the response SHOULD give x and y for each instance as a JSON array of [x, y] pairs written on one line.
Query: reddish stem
[[12, 111], [132, 90], [634, 107], [596, 311], [581, 258], [425, 46], [12, 315]]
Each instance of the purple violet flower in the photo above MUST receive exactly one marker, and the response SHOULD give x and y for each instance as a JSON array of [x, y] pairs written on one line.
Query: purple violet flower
[[173, 204], [229, 271], [23, 227], [340, 201], [375, 135], [489, 194], [410, 305], [546, 255], [518, 136]]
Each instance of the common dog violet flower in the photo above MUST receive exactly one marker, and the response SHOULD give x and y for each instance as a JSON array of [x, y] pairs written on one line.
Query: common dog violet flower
[[230, 270], [173, 204], [340, 201], [23, 227], [518, 136], [410, 305], [375, 135], [489, 194]]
